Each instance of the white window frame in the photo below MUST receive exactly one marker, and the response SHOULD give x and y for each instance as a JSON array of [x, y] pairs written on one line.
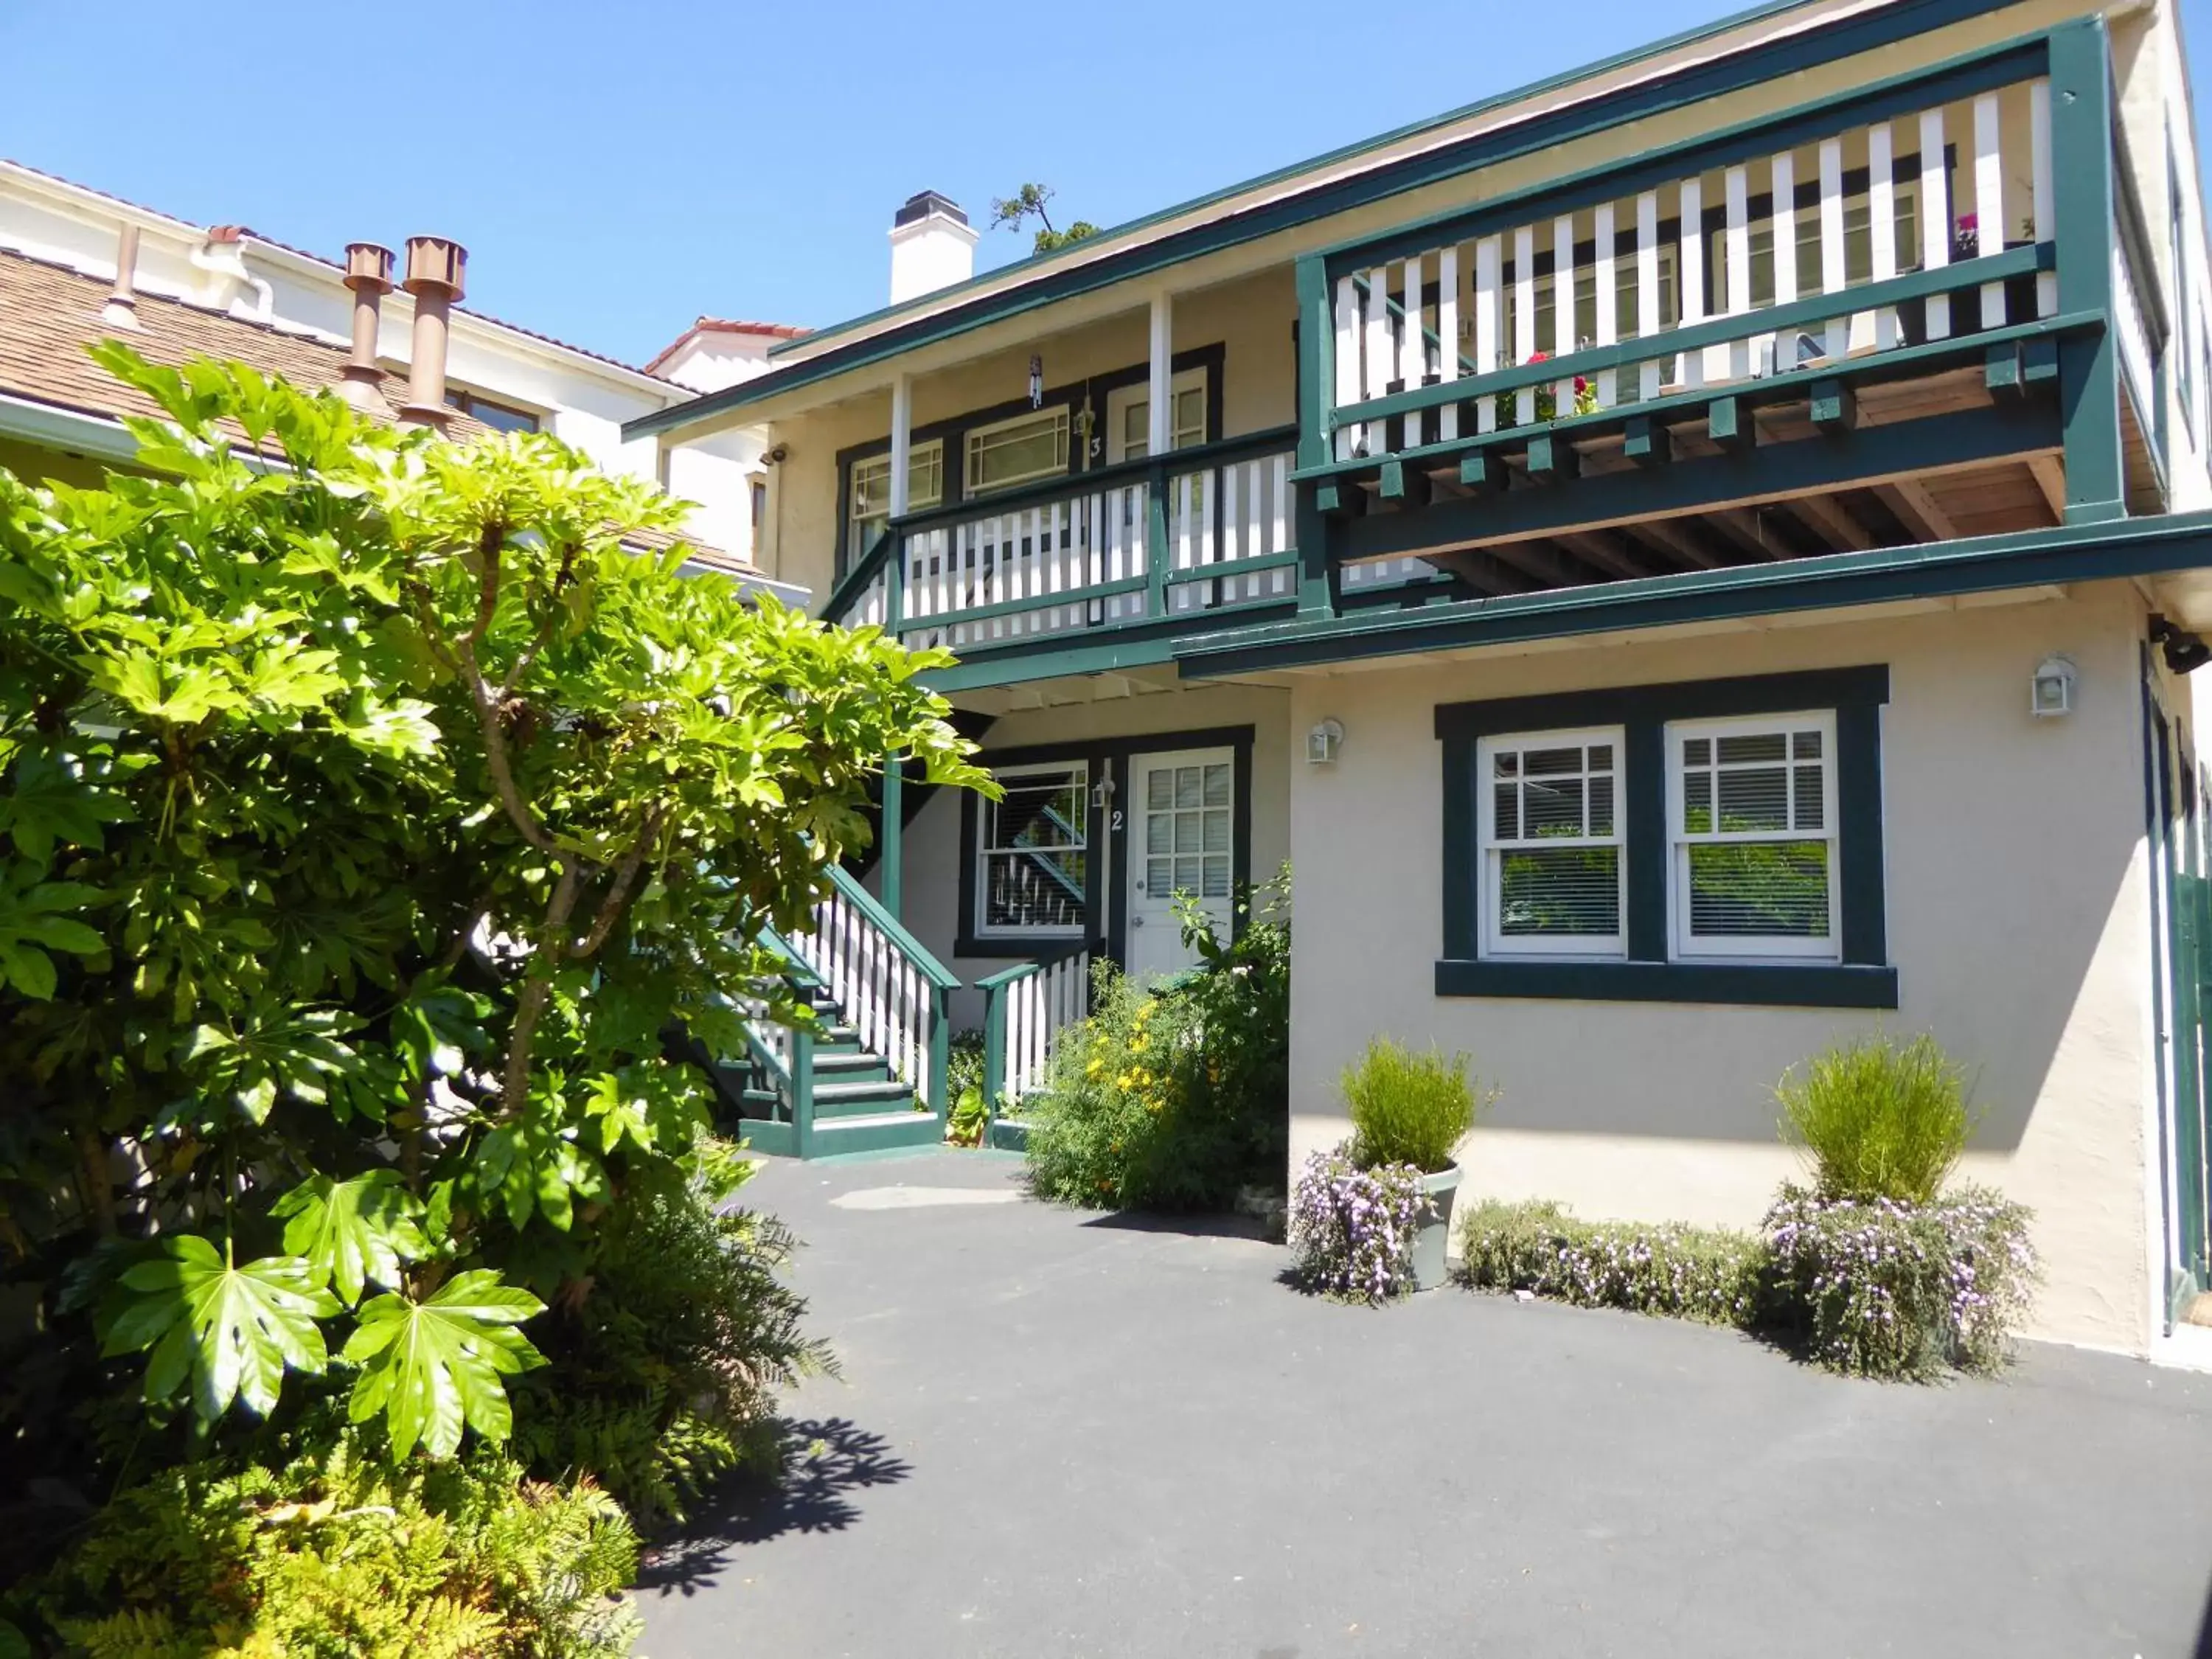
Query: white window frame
[[916, 460], [1056, 418], [984, 850], [1593, 947], [1138, 395], [1683, 947]]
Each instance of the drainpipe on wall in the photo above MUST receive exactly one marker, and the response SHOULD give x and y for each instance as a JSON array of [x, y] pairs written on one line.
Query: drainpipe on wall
[[368, 274], [436, 272], [121, 310]]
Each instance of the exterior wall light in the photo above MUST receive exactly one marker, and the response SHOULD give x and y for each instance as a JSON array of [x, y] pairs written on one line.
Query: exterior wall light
[[1322, 743], [2051, 694]]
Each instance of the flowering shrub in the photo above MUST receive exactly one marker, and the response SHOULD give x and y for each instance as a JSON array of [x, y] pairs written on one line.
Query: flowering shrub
[[1353, 1229], [1880, 1288], [1507, 403], [1710, 1275], [1173, 1097]]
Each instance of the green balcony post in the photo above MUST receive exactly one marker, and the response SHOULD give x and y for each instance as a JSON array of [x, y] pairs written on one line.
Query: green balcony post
[[890, 843], [2082, 161], [940, 1056], [1318, 583], [994, 1045], [802, 1089]]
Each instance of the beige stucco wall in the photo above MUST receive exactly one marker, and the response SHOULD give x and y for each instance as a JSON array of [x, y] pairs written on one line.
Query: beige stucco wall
[[2017, 916], [931, 851]]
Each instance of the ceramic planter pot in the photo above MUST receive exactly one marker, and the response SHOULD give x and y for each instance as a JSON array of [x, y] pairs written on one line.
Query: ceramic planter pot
[[1435, 1230]]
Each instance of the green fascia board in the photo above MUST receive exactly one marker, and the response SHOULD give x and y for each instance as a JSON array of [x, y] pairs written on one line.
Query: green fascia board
[[1842, 37], [2068, 553], [1981, 70], [1065, 656], [1827, 462], [1730, 331]]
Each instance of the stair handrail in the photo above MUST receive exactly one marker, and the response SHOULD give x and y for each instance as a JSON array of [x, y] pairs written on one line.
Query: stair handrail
[[997, 989], [796, 1078], [915, 951]]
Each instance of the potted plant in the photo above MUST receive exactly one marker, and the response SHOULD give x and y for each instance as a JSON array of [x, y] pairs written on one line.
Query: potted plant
[[1413, 1110]]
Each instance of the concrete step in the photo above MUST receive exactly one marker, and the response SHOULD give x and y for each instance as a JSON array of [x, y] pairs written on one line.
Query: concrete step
[[873, 1131]]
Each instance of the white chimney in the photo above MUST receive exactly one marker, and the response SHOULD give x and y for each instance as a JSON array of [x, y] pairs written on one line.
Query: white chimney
[[933, 246]]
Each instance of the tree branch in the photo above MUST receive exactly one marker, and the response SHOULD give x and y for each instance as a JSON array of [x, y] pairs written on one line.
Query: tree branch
[[544, 634], [617, 896], [538, 987], [489, 541]]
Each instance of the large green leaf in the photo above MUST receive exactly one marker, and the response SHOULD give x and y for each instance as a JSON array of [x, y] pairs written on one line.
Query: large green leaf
[[353, 1233], [433, 1367], [231, 1329]]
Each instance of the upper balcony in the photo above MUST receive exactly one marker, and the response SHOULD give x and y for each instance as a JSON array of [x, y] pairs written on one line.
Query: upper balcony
[[1645, 338]]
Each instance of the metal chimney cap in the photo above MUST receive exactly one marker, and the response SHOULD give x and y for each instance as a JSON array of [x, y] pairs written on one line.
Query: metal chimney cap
[[923, 203], [368, 264], [436, 263]]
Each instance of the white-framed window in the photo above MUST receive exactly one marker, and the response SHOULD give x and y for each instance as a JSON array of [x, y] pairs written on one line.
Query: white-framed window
[[1016, 452], [1751, 813], [1554, 879], [1129, 415], [870, 508], [1033, 852]]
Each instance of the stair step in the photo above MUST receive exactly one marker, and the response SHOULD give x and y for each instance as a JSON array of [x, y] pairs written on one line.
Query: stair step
[[850, 1066], [874, 1132], [860, 1099]]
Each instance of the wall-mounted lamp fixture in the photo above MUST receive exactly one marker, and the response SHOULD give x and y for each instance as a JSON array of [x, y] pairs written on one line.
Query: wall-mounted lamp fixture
[[1037, 381], [2185, 651], [2051, 691], [1101, 794], [778, 456], [1322, 743]]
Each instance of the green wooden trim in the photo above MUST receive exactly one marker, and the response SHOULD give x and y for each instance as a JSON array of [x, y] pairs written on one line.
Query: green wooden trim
[[1749, 984], [940, 1055], [2032, 338], [1137, 743], [994, 1048], [849, 587], [1984, 71], [2088, 364], [1728, 330], [1931, 443], [890, 859], [1022, 607], [1099, 263], [767, 1135], [1093, 650], [1229, 568], [802, 1088], [2073, 553], [915, 952], [1644, 713]]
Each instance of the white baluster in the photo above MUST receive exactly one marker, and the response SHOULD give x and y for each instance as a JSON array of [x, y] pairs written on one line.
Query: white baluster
[[1736, 238], [1833, 269], [1413, 349], [1524, 317], [1782, 173], [1690, 272], [1650, 374], [1347, 363], [1608, 381], [1448, 338], [1376, 356], [1881, 224], [2045, 200], [1934, 218], [1487, 294], [1989, 203], [1562, 309], [1278, 538]]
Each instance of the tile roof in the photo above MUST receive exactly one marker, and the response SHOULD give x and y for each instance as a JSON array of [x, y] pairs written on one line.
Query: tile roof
[[724, 326], [49, 314]]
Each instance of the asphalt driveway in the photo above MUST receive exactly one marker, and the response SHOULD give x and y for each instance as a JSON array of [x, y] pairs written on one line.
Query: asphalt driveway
[[1064, 1434]]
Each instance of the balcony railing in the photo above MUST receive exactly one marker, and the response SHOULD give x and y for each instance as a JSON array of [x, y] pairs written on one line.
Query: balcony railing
[[1893, 234], [1191, 534]]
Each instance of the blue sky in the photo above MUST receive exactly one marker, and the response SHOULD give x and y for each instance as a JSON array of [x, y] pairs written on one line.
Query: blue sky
[[616, 170]]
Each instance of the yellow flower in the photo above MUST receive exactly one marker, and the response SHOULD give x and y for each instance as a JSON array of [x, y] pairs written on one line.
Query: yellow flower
[[1121, 1080], [1138, 1047], [1154, 1105], [1095, 1066]]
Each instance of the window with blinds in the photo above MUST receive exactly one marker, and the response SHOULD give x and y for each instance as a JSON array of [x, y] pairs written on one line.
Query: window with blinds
[[1752, 808], [1551, 842]]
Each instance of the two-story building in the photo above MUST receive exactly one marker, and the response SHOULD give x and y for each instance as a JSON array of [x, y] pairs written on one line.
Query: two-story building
[[1690, 560]]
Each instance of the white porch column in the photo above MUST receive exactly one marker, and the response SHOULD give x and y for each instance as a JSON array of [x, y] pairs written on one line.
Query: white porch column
[[1160, 427], [901, 441]]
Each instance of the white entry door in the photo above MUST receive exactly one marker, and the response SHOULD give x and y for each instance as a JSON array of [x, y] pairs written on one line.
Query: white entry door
[[1183, 833]]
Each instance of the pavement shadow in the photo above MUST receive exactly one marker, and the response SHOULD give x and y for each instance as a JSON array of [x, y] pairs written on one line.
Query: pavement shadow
[[1188, 1226], [826, 1461]]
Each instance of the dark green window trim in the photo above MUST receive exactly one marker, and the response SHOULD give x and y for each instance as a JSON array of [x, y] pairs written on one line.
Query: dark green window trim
[[1864, 978], [1109, 761], [1213, 358]]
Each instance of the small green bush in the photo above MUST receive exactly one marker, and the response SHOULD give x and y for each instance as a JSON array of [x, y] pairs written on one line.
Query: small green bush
[[1710, 1274], [1408, 1108], [1878, 1119], [1880, 1288], [1173, 1098], [334, 1554]]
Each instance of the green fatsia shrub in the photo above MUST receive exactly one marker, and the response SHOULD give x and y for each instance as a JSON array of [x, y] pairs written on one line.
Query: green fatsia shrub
[[367, 816], [337, 1552]]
